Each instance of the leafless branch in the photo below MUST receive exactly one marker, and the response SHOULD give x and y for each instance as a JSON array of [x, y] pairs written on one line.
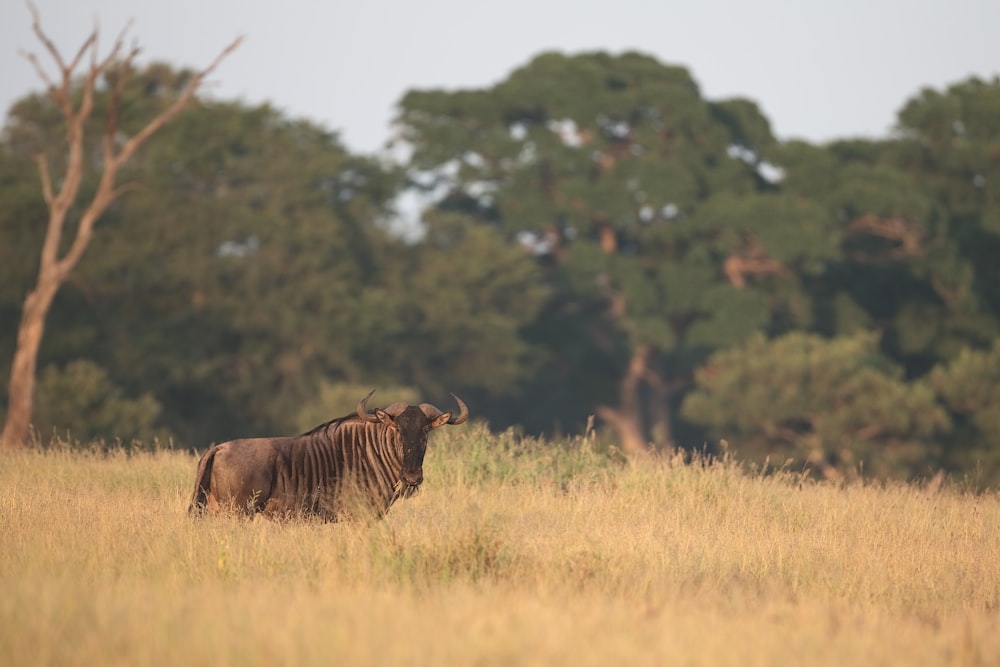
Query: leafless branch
[[46, 177], [89, 45], [168, 114], [36, 25], [908, 238], [99, 67], [106, 191], [121, 82], [111, 120], [33, 59], [750, 260], [97, 44], [53, 271], [737, 268], [123, 188], [120, 41]]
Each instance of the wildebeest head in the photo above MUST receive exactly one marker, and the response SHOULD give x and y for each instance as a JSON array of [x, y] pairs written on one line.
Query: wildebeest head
[[412, 423]]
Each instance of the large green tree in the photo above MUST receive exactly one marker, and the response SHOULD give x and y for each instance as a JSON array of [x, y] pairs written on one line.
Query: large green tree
[[950, 142], [243, 292], [651, 208], [916, 215]]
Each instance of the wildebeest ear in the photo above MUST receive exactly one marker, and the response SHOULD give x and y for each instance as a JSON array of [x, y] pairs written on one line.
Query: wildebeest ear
[[440, 419], [384, 416]]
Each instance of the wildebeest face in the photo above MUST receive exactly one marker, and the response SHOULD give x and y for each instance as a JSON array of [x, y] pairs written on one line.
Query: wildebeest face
[[412, 424]]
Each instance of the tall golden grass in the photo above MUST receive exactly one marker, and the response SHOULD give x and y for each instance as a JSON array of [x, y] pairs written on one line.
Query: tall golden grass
[[514, 553]]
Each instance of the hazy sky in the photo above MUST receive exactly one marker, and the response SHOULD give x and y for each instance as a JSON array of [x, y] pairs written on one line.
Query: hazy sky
[[820, 70]]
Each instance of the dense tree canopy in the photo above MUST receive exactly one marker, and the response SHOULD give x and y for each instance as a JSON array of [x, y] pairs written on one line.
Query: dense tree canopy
[[598, 239], [260, 270], [673, 227]]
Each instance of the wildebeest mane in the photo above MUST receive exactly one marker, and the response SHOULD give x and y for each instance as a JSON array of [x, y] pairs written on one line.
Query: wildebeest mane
[[333, 422]]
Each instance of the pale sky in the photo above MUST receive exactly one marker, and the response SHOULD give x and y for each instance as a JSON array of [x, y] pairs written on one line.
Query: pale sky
[[820, 70]]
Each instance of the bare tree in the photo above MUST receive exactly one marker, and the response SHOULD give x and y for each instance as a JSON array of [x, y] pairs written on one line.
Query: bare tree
[[73, 93]]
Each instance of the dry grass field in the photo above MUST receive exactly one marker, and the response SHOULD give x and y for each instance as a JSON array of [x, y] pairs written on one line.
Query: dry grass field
[[513, 554]]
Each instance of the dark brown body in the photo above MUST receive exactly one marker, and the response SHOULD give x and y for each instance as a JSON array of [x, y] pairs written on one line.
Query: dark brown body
[[360, 462]]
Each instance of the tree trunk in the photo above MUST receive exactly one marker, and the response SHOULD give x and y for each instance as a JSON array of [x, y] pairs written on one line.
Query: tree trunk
[[663, 430], [22, 374], [629, 429], [627, 418], [661, 413]]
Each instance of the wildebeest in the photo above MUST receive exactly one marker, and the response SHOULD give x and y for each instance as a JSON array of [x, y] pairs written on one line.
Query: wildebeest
[[361, 460]]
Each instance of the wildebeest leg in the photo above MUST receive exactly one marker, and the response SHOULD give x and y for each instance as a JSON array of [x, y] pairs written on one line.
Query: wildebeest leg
[[203, 481]]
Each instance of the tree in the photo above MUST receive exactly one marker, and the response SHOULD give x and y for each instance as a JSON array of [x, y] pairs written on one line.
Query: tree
[[969, 385], [950, 141], [651, 209], [242, 291], [83, 400], [834, 404], [448, 313], [75, 99]]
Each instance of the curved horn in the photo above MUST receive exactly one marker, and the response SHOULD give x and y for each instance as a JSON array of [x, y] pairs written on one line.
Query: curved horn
[[362, 412], [396, 408], [463, 413], [430, 411]]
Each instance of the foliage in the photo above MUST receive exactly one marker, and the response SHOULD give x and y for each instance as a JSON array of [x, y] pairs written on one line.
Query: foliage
[[447, 315], [969, 385], [81, 400], [646, 205], [262, 268], [838, 405], [598, 239], [256, 263], [949, 142]]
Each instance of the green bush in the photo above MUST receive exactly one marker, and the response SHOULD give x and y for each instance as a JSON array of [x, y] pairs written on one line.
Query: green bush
[[81, 404], [838, 405], [969, 385]]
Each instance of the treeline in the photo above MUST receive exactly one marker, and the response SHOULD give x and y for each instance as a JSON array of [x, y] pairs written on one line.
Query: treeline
[[594, 238]]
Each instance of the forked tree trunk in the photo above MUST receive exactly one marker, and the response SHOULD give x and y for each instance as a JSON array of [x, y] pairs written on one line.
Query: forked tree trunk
[[626, 419], [53, 269]]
